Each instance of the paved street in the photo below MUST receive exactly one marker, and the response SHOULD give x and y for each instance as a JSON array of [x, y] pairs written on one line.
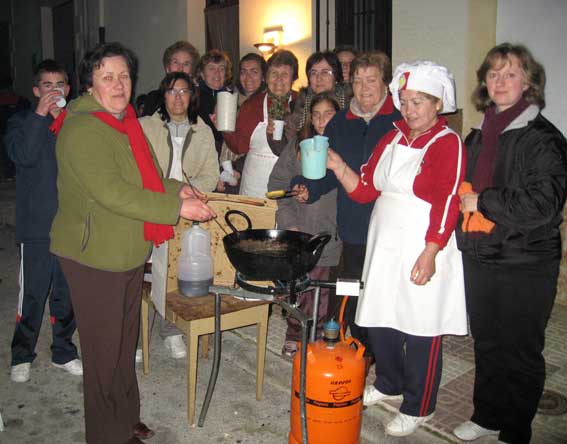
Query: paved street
[[49, 408]]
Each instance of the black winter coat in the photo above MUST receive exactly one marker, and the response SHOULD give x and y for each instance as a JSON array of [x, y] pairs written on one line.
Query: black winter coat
[[31, 146], [527, 194]]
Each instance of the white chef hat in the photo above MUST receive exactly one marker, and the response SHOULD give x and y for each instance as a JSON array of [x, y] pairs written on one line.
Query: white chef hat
[[427, 77]]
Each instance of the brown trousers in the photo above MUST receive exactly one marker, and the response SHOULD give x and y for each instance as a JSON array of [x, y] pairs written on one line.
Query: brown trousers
[[107, 311]]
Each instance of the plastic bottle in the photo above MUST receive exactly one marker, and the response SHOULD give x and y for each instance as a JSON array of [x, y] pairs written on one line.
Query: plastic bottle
[[195, 265]]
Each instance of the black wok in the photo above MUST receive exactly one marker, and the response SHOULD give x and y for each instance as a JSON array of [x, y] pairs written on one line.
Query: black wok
[[272, 255]]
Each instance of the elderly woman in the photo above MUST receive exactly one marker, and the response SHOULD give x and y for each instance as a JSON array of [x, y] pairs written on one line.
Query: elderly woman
[[353, 133], [517, 180], [324, 73], [254, 125], [316, 218], [214, 73], [182, 56], [413, 276], [113, 205]]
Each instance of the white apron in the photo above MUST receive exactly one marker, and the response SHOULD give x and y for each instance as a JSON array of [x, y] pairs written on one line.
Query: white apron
[[260, 161], [396, 238]]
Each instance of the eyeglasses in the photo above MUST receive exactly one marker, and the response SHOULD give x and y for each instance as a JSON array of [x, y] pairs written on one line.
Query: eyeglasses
[[322, 73], [178, 64], [178, 92], [279, 76]]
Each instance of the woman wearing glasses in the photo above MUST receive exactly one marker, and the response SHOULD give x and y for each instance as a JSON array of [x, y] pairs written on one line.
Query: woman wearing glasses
[[324, 73], [184, 146], [183, 143]]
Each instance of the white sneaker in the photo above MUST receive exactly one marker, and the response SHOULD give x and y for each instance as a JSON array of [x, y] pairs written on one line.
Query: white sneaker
[[75, 367], [469, 431], [403, 425], [373, 396], [139, 356], [176, 346], [20, 372]]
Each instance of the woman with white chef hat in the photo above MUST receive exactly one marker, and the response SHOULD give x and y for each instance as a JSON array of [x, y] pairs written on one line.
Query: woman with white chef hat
[[413, 277]]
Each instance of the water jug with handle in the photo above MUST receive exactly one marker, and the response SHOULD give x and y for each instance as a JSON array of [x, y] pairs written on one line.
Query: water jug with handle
[[195, 265], [314, 157]]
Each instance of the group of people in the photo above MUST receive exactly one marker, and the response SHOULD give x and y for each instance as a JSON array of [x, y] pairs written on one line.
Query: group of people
[[434, 227]]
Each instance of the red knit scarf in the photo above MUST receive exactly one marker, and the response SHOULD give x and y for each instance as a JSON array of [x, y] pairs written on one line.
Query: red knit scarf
[[156, 233]]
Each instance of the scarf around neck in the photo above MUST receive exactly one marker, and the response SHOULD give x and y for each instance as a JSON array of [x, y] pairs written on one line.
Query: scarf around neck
[[357, 111], [156, 233], [493, 125]]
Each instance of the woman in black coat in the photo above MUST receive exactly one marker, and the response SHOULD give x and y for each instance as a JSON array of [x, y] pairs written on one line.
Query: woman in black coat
[[509, 236]]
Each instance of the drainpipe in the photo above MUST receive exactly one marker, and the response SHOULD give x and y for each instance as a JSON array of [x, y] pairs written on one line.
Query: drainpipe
[[317, 25]]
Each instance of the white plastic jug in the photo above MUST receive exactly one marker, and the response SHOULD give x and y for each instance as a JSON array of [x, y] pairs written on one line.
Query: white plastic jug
[[195, 265]]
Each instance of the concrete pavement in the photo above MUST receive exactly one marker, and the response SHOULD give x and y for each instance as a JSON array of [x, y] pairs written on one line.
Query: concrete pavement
[[49, 408]]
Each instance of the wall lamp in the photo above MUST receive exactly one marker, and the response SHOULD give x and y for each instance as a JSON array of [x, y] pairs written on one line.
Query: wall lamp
[[273, 38]]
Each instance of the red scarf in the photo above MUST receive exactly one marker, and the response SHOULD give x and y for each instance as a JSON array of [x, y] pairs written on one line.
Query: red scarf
[[157, 233]]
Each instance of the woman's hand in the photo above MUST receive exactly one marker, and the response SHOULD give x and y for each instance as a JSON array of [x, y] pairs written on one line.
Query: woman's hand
[[213, 118], [335, 162], [221, 187], [196, 209], [469, 202], [345, 175], [424, 267], [189, 192], [270, 127], [302, 193]]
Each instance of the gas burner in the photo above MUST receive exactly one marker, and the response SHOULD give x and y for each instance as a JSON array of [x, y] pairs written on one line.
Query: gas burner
[[279, 288]]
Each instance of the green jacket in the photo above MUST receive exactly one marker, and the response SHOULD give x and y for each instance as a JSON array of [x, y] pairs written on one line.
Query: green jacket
[[102, 205]]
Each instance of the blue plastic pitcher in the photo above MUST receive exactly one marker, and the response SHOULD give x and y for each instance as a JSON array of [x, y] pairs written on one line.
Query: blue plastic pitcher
[[314, 157]]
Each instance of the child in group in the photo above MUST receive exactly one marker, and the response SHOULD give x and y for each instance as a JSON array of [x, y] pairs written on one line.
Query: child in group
[[318, 217]]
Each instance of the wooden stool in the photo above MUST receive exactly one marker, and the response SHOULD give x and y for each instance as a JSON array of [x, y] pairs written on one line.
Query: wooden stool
[[195, 317]]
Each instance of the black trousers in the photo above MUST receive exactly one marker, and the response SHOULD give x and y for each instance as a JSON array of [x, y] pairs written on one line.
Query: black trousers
[[107, 307], [350, 267], [41, 277], [509, 307], [408, 365]]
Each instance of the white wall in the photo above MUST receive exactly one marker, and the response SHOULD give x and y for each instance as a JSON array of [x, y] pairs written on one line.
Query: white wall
[[147, 27], [196, 24], [293, 15], [542, 27], [432, 30]]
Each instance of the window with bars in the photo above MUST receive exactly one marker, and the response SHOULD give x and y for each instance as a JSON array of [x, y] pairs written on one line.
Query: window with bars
[[365, 24]]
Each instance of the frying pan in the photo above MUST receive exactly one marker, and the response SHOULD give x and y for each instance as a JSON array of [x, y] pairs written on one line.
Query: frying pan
[[271, 255]]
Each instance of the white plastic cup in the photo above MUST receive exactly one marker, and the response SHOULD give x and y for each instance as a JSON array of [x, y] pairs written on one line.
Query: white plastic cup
[[227, 166], [227, 174], [278, 129], [61, 102], [227, 104]]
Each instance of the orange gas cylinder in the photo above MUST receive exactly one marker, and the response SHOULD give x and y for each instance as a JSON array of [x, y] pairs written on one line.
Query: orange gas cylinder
[[335, 377]]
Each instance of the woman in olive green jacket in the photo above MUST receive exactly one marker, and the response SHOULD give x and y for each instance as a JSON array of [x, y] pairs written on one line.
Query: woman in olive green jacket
[[113, 205]]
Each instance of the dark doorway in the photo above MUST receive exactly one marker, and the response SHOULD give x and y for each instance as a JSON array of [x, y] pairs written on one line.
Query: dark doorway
[[364, 24], [222, 29], [64, 41]]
